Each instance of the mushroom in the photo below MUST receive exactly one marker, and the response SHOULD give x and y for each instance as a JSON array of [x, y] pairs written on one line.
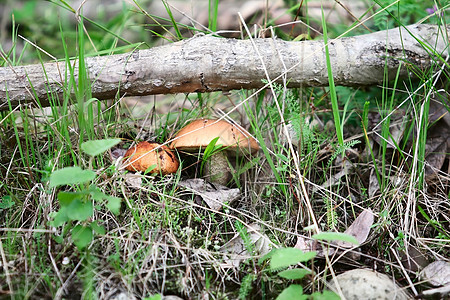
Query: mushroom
[[197, 135], [147, 154]]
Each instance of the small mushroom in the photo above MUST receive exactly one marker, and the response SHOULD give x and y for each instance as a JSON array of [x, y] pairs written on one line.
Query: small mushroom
[[144, 155], [197, 135]]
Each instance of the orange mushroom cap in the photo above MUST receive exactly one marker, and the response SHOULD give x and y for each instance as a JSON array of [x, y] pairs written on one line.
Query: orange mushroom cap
[[199, 133], [143, 155]]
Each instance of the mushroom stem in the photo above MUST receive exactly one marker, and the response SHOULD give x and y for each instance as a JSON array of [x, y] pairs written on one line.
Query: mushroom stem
[[216, 168]]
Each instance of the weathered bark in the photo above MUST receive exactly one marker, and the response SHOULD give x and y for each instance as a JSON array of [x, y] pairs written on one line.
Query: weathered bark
[[206, 63]]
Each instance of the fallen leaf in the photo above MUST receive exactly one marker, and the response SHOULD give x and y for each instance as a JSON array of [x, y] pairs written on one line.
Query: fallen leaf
[[236, 250], [304, 244], [438, 111], [397, 126], [336, 178], [374, 186], [360, 228], [133, 180], [413, 259], [117, 153], [435, 153], [437, 273], [215, 195], [307, 245], [438, 293]]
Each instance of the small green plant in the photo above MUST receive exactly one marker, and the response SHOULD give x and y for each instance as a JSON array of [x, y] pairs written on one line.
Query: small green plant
[[405, 11], [284, 262], [400, 239], [436, 224], [213, 9], [6, 202], [332, 217], [154, 297], [336, 236], [247, 281], [78, 205], [305, 134], [209, 151], [340, 149], [246, 286]]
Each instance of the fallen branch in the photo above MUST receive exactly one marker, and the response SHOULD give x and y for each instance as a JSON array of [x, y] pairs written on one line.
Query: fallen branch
[[206, 64]]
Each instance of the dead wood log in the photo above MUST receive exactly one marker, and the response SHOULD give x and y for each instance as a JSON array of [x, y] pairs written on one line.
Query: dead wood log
[[206, 64]]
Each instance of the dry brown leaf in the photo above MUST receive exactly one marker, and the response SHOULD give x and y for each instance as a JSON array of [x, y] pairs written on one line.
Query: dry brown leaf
[[304, 244], [236, 249], [374, 186], [438, 293], [413, 259], [336, 178], [133, 180], [214, 195], [438, 111], [437, 273], [436, 149], [436, 159], [360, 228], [397, 126], [118, 153]]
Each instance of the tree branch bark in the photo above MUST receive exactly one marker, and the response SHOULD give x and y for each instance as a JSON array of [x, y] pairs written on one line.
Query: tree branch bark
[[206, 64]]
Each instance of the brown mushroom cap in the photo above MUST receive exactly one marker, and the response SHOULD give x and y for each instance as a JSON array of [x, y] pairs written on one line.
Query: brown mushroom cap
[[201, 132], [143, 155]]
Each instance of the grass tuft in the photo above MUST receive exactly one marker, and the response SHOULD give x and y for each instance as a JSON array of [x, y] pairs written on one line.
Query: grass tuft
[[75, 224]]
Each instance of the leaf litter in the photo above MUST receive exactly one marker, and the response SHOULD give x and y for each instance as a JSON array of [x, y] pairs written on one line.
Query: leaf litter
[[360, 229], [214, 195], [236, 250]]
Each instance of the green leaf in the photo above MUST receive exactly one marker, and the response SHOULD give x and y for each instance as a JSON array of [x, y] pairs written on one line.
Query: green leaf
[[89, 102], [58, 239], [98, 228], [282, 157], [336, 236], [66, 198], [267, 256], [285, 257], [80, 210], [59, 218], [154, 297], [82, 236], [70, 175], [292, 292], [325, 295], [211, 147], [113, 204], [97, 147], [6, 202], [97, 194], [294, 274], [149, 169]]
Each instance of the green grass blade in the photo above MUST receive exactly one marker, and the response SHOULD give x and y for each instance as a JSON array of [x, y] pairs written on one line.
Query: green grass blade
[[213, 8], [172, 19], [334, 102]]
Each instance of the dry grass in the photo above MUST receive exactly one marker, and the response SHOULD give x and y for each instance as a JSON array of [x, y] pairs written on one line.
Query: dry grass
[[166, 240]]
